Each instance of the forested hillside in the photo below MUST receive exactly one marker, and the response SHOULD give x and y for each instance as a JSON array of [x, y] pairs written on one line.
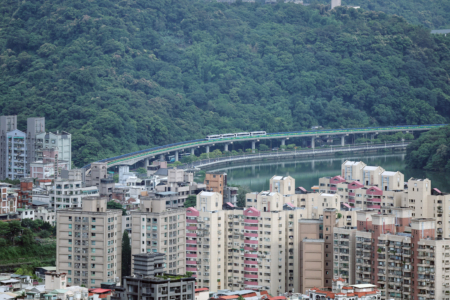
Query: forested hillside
[[125, 75], [433, 14], [431, 151]]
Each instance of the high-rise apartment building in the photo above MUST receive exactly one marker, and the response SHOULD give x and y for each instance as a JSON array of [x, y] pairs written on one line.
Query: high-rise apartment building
[[19, 149], [215, 182], [205, 241], [69, 190], [61, 140], [254, 248], [426, 202], [397, 253], [13, 145], [89, 243], [35, 127], [365, 187], [160, 226]]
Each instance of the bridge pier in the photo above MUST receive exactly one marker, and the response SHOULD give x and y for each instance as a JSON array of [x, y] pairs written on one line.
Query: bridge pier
[[313, 143], [253, 146], [192, 151], [176, 155], [207, 150], [312, 164], [283, 143], [225, 147], [146, 162], [343, 140], [162, 157]]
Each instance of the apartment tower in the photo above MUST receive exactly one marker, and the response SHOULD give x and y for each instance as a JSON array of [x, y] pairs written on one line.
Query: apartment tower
[[89, 243], [159, 226]]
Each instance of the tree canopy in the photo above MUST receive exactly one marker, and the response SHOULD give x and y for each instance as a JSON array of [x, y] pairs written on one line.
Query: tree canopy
[[431, 151], [432, 14], [126, 75]]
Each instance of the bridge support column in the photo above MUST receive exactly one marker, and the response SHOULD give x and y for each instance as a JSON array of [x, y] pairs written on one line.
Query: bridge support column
[[225, 147], [146, 162], [192, 151], [176, 155], [253, 146], [162, 157], [207, 150], [313, 142], [312, 164], [283, 143], [343, 141]]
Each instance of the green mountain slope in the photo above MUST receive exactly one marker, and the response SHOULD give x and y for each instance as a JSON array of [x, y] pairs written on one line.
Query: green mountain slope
[[433, 14], [126, 75], [431, 151]]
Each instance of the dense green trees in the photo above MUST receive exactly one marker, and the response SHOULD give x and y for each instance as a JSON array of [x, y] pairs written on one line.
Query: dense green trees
[[122, 76], [191, 201], [18, 242], [431, 151], [432, 14]]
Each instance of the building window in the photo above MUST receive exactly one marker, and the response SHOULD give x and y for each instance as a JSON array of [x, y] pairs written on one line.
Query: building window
[[92, 281], [70, 233], [70, 226], [93, 227], [70, 249], [93, 250]]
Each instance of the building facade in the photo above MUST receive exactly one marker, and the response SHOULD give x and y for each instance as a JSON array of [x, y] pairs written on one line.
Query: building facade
[[89, 243], [397, 253], [60, 140], [160, 227]]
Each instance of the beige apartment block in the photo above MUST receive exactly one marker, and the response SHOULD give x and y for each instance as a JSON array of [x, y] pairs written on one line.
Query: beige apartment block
[[344, 253], [206, 242], [284, 185], [397, 253], [256, 249], [311, 274], [160, 226], [426, 202], [89, 243]]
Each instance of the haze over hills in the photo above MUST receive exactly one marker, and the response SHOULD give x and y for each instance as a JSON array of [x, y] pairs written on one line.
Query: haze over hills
[[125, 75]]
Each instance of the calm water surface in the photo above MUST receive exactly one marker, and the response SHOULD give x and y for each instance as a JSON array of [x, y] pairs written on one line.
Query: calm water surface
[[308, 171]]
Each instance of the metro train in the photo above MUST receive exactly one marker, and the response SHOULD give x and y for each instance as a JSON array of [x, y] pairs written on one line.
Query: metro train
[[234, 135]]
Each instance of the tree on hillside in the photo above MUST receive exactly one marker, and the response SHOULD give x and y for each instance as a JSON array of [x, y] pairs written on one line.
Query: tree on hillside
[[14, 230], [126, 255]]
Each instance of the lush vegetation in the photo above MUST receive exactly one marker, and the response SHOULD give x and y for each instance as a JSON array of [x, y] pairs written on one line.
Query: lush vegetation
[[432, 14], [116, 205], [126, 75], [191, 201], [431, 151], [28, 242]]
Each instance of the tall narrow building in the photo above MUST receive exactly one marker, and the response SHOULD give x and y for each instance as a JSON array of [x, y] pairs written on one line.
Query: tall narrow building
[[35, 126], [89, 243], [13, 158], [160, 227]]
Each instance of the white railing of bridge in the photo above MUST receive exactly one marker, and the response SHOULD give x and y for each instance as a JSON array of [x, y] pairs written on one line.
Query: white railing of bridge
[[248, 156]]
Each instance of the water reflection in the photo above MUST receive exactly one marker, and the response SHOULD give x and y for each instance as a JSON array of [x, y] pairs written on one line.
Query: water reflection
[[307, 171]]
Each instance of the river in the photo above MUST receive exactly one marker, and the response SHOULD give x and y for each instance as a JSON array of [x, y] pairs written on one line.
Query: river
[[307, 172]]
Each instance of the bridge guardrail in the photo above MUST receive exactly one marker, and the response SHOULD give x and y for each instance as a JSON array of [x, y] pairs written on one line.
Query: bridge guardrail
[[193, 143]]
